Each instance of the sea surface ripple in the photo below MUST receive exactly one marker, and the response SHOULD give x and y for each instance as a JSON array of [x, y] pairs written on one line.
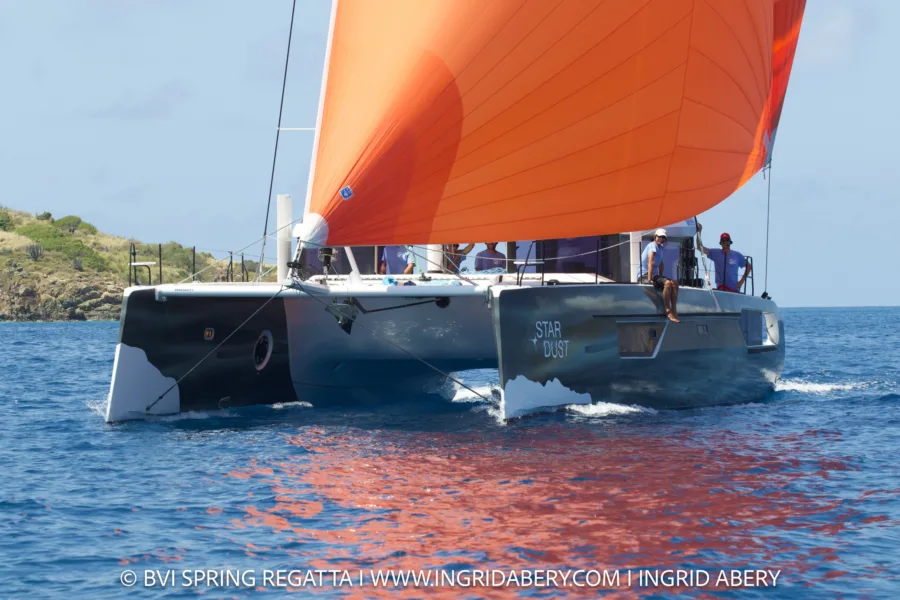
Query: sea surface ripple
[[806, 482]]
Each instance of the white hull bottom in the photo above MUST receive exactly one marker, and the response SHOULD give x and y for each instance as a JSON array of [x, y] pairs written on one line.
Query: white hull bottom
[[332, 349]]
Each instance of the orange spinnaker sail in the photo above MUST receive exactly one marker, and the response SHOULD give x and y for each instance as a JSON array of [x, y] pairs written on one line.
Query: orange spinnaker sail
[[472, 120], [788, 15]]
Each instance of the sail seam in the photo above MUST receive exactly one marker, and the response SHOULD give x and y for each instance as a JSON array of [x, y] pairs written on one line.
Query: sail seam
[[579, 57], [601, 208], [611, 138], [371, 224], [549, 48], [743, 50], [726, 115], [545, 163], [511, 50], [687, 62], [561, 100], [732, 79], [765, 55]]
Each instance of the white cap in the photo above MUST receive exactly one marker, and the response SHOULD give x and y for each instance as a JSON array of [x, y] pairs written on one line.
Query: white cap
[[660, 232]]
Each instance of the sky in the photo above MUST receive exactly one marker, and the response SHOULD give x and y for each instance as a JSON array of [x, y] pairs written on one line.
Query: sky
[[157, 120]]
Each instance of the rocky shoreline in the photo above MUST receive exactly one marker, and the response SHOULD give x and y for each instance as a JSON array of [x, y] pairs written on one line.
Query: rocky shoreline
[[67, 270], [41, 297]]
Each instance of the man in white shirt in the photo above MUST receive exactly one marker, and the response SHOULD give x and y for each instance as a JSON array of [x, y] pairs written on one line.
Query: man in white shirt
[[652, 266]]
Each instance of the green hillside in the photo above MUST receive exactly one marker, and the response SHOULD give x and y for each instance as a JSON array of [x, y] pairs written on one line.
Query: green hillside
[[65, 269]]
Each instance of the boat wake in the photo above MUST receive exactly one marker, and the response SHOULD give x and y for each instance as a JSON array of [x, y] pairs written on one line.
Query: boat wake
[[796, 385], [607, 409], [295, 404], [480, 392], [99, 407]]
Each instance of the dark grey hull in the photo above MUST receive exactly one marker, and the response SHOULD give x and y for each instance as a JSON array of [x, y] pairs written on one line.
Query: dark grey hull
[[212, 346], [173, 337], [173, 355], [575, 344]]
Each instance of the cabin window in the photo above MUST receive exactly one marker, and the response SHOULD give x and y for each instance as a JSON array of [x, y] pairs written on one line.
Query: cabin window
[[593, 254]]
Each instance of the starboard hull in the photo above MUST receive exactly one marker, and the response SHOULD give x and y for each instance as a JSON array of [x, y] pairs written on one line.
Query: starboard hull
[[562, 345]]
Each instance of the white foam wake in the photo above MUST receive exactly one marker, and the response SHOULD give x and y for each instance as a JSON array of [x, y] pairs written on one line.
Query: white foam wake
[[464, 395], [796, 385], [193, 415], [606, 409], [294, 404], [98, 406]]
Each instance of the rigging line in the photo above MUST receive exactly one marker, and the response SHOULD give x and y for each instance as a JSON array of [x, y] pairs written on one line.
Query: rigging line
[[299, 285], [702, 256], [287, 58], [443, 269], [709, 286], [228, 337], [239, 250], [562, 256], [768, 203]]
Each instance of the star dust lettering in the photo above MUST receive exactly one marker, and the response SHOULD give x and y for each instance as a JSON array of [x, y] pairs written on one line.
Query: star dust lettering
[[549, 333]]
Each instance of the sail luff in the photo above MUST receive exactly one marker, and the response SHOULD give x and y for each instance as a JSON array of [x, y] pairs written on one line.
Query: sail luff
[[321, 109]]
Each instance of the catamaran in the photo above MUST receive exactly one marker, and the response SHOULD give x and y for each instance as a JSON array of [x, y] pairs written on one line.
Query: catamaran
[[459, 120]]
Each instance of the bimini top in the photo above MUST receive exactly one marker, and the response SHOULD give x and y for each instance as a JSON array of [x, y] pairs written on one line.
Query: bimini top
[[449, 120]]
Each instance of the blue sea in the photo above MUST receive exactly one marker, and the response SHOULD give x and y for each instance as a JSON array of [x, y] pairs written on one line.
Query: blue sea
[[806, 484]]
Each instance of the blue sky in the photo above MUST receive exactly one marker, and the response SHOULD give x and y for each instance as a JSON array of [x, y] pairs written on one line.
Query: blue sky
[[157, 120]]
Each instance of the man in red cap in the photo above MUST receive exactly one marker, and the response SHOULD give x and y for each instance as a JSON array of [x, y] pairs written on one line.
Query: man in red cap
[[727, 262]]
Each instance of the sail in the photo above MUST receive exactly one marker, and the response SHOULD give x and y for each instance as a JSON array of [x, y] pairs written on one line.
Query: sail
[[466, 120], [788, 15]]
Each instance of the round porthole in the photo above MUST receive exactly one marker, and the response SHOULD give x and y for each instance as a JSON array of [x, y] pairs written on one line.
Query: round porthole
[[262, 351]]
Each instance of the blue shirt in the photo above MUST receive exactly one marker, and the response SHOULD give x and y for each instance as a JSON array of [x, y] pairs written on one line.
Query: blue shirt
[[489, 260], [657, 251], [727, 273], [397, 258]]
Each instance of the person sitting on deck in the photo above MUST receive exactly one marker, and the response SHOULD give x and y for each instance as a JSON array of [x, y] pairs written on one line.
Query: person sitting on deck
[[396, 260], [727, 262], [652, 262], [453, 256], [490, 258]]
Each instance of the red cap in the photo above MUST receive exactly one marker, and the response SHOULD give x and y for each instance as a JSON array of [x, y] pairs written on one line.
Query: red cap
[[725, 236]]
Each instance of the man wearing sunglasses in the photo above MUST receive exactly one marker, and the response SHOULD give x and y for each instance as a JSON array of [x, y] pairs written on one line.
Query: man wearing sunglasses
[[652, 266], [727, 262]]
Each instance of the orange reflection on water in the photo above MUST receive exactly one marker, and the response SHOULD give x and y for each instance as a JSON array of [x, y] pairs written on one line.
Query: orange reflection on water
[[549, 498]]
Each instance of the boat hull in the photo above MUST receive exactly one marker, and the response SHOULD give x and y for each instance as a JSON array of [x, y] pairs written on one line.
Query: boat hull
[[589, 343], [221, 347]]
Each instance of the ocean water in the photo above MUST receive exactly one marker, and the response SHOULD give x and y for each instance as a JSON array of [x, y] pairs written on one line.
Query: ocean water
[[806, 483]]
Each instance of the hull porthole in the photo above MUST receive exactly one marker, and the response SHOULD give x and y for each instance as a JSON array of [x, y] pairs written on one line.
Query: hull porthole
[[262, 351]]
